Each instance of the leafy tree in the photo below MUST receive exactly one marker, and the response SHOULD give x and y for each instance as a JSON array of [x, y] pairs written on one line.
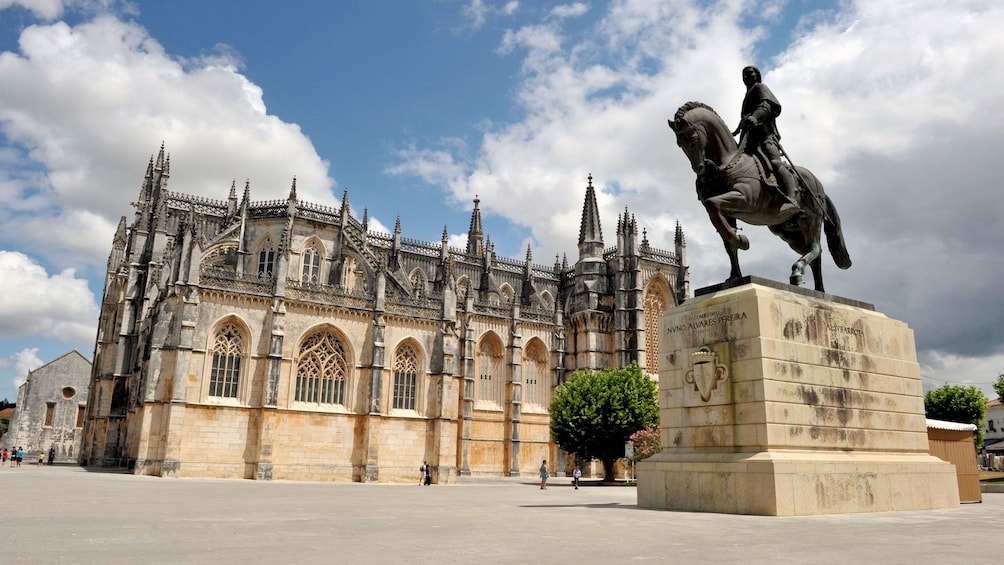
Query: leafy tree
[[965, 404], [593, 414], [999, 387]]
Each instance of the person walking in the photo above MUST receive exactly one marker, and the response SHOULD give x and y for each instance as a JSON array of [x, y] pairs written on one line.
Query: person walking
[[5, 455], [576, 475], [52, 454], [20, 455], [543, 475]]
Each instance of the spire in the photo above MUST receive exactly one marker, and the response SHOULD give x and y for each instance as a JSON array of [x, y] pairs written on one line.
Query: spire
[[167, 166], [475, 234], [529, 255], [397, 226], [247, 193], [292, 190], [446, 235], [120, 233], [233, 190], [160, 158], [644, 238], [679, 239], [590, 233], [149, 168], [366, 219]]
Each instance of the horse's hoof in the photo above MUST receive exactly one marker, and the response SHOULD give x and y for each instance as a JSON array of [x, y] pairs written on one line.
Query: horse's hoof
[[795, 280], [744, 242]]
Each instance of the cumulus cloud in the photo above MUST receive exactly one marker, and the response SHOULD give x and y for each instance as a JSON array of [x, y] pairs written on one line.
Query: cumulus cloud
[[22, 363], [89, 104], [893, 106], [35, 303], [477, 12], [570, 10]]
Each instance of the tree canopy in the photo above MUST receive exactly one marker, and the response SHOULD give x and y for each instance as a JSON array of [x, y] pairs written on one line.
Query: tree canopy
[[594, 413], [964, 404], [999, 387]]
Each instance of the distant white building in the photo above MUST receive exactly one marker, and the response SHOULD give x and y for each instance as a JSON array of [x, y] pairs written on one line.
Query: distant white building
[[51, 405], [993, 431]]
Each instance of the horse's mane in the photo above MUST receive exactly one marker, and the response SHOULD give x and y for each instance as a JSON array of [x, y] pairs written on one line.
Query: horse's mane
[[690, 106]]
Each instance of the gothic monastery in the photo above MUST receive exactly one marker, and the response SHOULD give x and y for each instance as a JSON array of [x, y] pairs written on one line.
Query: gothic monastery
[[286, 340]]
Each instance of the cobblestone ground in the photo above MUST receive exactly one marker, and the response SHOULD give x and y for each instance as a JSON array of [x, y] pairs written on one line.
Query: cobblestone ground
[[71, 515]]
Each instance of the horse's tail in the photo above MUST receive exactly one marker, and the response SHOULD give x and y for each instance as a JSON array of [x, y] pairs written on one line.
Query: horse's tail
[[835, 236]]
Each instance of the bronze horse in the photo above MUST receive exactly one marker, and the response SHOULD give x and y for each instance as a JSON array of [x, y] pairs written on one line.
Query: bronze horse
[[732, 186]]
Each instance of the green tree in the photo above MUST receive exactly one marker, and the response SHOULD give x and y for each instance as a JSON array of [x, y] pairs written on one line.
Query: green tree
[[964, 404], [595, 412], [999, 387]]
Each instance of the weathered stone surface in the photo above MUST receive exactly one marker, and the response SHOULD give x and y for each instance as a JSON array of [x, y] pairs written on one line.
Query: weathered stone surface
[[49, 412], [817, 409]]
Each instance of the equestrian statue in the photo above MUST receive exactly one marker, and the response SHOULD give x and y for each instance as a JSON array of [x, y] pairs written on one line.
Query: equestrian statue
[[754, 181]]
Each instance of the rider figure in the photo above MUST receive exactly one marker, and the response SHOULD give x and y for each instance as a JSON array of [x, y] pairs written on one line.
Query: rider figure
[[760, 109]]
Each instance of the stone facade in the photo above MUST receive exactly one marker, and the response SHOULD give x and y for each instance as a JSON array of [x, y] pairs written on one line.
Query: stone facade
[[286, 340], [50, 409], [782, 401]]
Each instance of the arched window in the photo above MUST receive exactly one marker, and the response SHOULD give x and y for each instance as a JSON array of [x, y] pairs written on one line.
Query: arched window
[[536, 377], [490, 385], [657, 301], [507, 292], [321, 370], [311, 264], [547, 300], [266, 260], [228, 348], [463, 286], [405, 377], [418, 279]]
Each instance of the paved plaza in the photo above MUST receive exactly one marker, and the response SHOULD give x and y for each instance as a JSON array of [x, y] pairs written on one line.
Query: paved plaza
[[72, 515]]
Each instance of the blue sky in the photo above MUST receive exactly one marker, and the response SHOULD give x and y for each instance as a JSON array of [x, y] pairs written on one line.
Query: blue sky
[[416, 107]]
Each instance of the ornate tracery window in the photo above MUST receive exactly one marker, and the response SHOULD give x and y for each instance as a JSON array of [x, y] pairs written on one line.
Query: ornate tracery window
[[536, 377], [405, 377], [311, 264], [321, 370], [228, 348], [266, 260], [656, 303], [490, 385]]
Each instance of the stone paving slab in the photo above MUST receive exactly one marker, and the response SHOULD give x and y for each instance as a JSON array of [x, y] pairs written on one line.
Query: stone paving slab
[[72, 515]]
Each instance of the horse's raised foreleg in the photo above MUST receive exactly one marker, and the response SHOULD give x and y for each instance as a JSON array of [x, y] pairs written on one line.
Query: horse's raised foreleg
[[726, 228]]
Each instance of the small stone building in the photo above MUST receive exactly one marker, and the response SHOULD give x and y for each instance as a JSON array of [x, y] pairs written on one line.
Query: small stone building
[[51, 405]]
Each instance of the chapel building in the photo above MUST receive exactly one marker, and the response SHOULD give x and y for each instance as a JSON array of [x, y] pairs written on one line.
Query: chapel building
[[50, 410], [286, 340]]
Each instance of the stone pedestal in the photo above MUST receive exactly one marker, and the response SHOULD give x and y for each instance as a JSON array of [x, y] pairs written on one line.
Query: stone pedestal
[[782, 401]]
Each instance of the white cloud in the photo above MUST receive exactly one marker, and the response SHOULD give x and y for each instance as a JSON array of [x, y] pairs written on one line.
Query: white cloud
[[570, 10], [894, 107], [476, 12], [45, 9], [35, 303], [89, 104], [51, 9], [23, 362]]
